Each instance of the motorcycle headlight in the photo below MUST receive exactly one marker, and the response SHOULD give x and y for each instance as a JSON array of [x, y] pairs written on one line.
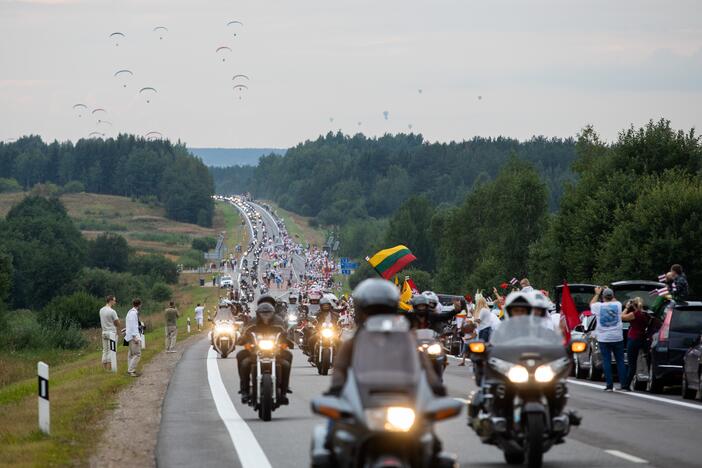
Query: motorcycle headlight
[[544, 373], [434, 349], [265, 345], [391, 419], [518, 374], [327, 333]]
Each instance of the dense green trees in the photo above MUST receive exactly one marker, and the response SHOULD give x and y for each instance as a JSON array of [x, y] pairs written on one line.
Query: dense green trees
[[109, 251], [126, 166]]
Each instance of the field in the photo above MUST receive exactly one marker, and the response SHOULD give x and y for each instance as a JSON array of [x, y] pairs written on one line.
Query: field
[[144, 226], [227, 218], [299, 226]]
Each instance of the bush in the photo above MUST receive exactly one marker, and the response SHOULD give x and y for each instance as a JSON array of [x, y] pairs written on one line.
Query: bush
[[204, 244], [74, 186], [46, 190], [79, 308], [160, 292], [109, 251], [9, 186], [191, 259], [154, 265], [100, 283], [99, 225], [24, 331]]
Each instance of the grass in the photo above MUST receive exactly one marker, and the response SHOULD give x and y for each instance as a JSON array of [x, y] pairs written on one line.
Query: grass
[[299, 226], [81, 393], [228, 218], [145, 226]]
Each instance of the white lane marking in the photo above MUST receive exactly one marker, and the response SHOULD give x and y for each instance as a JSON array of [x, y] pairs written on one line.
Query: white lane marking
[[626, 456], [250, 453], [640, 395]]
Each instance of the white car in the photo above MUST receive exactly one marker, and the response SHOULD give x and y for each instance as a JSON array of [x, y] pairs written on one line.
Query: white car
[[226, 282]]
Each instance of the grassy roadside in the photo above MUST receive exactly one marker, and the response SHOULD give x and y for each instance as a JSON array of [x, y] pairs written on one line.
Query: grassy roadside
[[299, 226], [228, 218]]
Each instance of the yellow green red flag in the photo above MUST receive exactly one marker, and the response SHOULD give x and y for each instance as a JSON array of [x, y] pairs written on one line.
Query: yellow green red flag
[[389, 261]]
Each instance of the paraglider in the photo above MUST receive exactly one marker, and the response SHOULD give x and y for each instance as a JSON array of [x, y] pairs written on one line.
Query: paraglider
[[161, 30], [95, 135], [386, 114], [419, 90], [123, 76], [236, 26], [480, 98], [104, 122], [331, 119], [239, 77], [148, 92], [222, 51], [410, 127], [79, 108], [99, 110], [116, 36], [153, 136]]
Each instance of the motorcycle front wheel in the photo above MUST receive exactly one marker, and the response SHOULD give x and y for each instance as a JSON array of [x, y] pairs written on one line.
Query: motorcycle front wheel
[[325, 363], [266, 406], [535, 440]]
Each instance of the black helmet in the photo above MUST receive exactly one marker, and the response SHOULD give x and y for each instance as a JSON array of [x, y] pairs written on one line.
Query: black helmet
[[266, 299], [265, 312], [420, 305], [375, 297]]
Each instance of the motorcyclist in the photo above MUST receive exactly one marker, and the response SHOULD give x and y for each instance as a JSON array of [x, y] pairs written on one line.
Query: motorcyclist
[[266, 322], [326, 313], [374, 297], [424, 312]]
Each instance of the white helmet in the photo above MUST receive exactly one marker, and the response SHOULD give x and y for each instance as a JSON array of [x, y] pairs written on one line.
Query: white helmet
[[539, 303], [518, 299], [433, 299]]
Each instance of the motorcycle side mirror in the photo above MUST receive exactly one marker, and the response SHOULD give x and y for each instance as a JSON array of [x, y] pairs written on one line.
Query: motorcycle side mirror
[[331, 407], [578, 346], [443, 408]]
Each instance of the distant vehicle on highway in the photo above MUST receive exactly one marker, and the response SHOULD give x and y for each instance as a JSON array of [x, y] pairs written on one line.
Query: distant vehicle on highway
[[226, 282], [692, 372]]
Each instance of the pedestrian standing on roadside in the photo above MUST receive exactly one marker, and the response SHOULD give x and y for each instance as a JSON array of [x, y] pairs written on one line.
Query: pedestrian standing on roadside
[[172, 315], [610, 334], [133, 338], [484, 318], [199, 313], [636, 337], [109, 322]]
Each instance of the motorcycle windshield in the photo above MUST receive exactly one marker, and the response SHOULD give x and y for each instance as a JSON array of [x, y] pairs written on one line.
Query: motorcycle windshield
[[385, 364], [426, 334], [520, 335], [224, 313]]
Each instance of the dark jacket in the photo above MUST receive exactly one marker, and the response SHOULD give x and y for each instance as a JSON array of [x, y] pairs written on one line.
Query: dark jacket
[[258, 327]]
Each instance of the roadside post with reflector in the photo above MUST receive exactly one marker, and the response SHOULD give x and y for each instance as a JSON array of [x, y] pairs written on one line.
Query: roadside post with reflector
[[113, 351], [43, 390], [188, 325]]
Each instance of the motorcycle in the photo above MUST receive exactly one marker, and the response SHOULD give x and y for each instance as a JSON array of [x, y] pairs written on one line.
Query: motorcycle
[[265, 385], [324, 347], [520, 404], [224, 336], [430, 345], [386, 411]]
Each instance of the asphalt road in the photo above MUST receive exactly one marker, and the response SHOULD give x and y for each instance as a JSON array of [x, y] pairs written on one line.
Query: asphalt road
[[204, 423]]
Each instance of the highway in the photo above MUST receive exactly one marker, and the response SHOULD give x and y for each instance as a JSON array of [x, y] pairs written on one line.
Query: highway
[[204, 423]]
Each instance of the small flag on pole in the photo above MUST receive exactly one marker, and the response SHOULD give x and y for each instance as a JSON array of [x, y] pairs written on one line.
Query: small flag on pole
[[513, 282], [662, 277]]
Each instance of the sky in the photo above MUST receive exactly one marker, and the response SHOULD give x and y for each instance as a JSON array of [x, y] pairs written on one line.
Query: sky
[[514, 68]]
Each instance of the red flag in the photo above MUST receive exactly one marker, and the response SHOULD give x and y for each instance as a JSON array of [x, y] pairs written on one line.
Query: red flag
[[568, 309], [411, 284]]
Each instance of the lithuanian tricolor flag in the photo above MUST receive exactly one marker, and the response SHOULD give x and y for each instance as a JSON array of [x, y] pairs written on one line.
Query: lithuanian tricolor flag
[[389, 261]]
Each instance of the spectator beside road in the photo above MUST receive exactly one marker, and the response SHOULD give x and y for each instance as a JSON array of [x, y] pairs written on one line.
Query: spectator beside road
[[609, 334], [636, 337], [172, 315], [484, 318], [679, 286], [526, 285], [109, 322], [199, 314], [132, 337], [468, 334]]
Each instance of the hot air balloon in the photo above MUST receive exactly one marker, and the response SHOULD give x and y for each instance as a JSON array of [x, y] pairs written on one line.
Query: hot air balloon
[[386, 114]]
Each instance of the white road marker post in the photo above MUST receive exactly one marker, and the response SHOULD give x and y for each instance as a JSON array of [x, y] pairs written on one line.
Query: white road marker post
[[188, 325], [113, 351], [43, 388]]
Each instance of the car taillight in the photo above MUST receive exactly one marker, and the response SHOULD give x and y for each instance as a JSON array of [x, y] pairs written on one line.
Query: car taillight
[[665, 328]]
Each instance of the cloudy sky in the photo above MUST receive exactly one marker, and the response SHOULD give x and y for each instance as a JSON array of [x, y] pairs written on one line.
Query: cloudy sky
[[485, 67]]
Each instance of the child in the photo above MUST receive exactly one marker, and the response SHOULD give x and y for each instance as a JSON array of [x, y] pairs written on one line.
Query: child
[[468, 334]]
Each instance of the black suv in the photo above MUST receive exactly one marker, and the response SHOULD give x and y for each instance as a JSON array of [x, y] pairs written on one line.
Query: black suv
[[662, 364]]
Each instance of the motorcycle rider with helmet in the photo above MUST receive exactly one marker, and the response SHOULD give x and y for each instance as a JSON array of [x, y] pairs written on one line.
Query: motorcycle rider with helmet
[[424, 313], [266, 322], [326, 313]]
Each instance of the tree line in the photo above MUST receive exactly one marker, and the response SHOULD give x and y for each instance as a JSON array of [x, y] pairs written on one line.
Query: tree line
[[633, 209], [126, 165]]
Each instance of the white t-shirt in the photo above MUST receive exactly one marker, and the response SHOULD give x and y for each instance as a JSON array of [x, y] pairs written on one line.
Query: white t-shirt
[[485, 317], [199, 311], [107, 319], [609, 321]]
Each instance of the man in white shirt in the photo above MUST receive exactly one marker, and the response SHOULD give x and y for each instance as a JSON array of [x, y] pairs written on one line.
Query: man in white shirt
[[610, 335], [109, 322], [199, 311], [133, 337]]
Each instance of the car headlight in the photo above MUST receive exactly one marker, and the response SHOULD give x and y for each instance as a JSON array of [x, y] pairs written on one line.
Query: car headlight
[[327, 333], [544, 373], [392, 419], [518, 374], [434, 349], [265, 345]]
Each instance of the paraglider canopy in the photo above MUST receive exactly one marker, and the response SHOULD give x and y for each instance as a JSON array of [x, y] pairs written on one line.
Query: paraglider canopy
[[116, 36], [123, 76], [236, 26], [161, 30], [386, 114], [148, 92], [79, 108], [222, 51]]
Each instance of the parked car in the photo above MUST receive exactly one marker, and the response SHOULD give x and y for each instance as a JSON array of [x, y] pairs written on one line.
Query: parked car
[[692, 372], [662, 363], [589, 365], [226, 282]]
